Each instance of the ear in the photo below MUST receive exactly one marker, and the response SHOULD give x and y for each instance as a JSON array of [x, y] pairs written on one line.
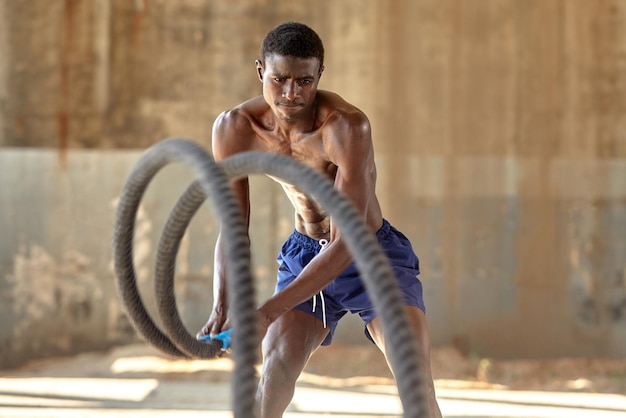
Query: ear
[[259, 69], [321, 71]]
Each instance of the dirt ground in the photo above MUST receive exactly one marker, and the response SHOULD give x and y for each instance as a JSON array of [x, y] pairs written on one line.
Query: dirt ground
[[345, 366], [453, 370]]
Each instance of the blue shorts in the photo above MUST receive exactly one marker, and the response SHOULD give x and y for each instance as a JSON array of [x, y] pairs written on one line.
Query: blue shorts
[[347, 292]]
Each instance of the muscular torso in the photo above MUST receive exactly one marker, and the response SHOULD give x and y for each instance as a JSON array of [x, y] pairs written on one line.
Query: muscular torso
[[310, 218], [313, 147]]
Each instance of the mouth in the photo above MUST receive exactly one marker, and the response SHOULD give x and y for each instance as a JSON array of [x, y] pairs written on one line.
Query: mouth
[[289, 105]]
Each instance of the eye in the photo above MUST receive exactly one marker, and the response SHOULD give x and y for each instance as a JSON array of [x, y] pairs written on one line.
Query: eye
[[304, 82], [279, 79]]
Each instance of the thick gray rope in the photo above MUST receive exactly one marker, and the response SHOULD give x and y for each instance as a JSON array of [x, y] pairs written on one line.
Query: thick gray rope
[[215, 184], [173, 232], [360, 240], [370, 260], [343, 214]]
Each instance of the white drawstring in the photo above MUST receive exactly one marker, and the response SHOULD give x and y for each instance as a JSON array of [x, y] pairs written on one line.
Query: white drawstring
[[323, 243], [323, 306]]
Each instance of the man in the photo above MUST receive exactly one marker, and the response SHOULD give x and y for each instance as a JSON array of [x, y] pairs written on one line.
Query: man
[[321, 130]]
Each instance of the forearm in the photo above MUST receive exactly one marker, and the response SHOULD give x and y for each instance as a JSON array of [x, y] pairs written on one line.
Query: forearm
[[322, 270], [220, 301]]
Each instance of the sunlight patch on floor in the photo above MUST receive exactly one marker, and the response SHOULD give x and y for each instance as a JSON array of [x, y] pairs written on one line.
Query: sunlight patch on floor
[[135, 390], [154, 364], [345, 401]]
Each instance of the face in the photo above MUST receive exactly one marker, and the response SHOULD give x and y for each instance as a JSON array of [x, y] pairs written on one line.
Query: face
[[289, 84]]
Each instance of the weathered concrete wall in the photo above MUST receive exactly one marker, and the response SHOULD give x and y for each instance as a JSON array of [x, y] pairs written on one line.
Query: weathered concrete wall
[[57, 292], [4, 68], [499, 128]]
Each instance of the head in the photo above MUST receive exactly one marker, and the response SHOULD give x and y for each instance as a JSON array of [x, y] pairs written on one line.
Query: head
[[293, 39], [291, 64]]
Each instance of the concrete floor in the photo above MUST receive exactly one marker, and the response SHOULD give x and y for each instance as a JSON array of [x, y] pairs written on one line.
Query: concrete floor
[[134, 382]]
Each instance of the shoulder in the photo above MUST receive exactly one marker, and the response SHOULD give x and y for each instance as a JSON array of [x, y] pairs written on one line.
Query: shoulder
[[336, 106], [240, 117], [233, 129], [343, 122]]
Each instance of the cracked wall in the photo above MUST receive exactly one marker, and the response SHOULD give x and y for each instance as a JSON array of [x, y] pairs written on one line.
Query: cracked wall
[[499, 128]]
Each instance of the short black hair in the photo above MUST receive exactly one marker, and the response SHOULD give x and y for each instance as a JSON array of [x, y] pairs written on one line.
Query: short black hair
[[293, 39]]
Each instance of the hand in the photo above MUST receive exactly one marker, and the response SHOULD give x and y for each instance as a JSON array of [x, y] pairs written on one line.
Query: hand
[[217, 323]]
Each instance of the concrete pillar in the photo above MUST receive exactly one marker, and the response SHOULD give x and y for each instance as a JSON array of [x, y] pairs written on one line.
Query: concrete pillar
[[4, 68]]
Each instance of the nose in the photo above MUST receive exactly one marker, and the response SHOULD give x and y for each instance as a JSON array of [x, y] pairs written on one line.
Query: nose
[[290, 91]]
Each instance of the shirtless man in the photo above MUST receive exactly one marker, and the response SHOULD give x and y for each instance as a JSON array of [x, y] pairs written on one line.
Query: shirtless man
[[321, 130]]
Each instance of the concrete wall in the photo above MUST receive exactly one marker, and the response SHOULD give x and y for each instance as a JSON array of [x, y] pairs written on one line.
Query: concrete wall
[[57, 293], [499, 128]]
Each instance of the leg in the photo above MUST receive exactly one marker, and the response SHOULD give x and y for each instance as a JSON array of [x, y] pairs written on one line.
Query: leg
[[287, 347], [417, 318]]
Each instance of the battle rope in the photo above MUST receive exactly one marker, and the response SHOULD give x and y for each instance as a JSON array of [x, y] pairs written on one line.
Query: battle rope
[[213, 183]]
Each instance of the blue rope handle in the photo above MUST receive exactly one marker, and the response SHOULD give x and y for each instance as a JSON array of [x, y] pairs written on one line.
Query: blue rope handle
[[224, 337]]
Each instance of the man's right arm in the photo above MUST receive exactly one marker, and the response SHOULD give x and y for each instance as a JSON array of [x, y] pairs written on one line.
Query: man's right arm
[[227, 140]]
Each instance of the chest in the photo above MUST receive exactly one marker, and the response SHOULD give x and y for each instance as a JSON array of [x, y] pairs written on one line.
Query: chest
[[307, 149]]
